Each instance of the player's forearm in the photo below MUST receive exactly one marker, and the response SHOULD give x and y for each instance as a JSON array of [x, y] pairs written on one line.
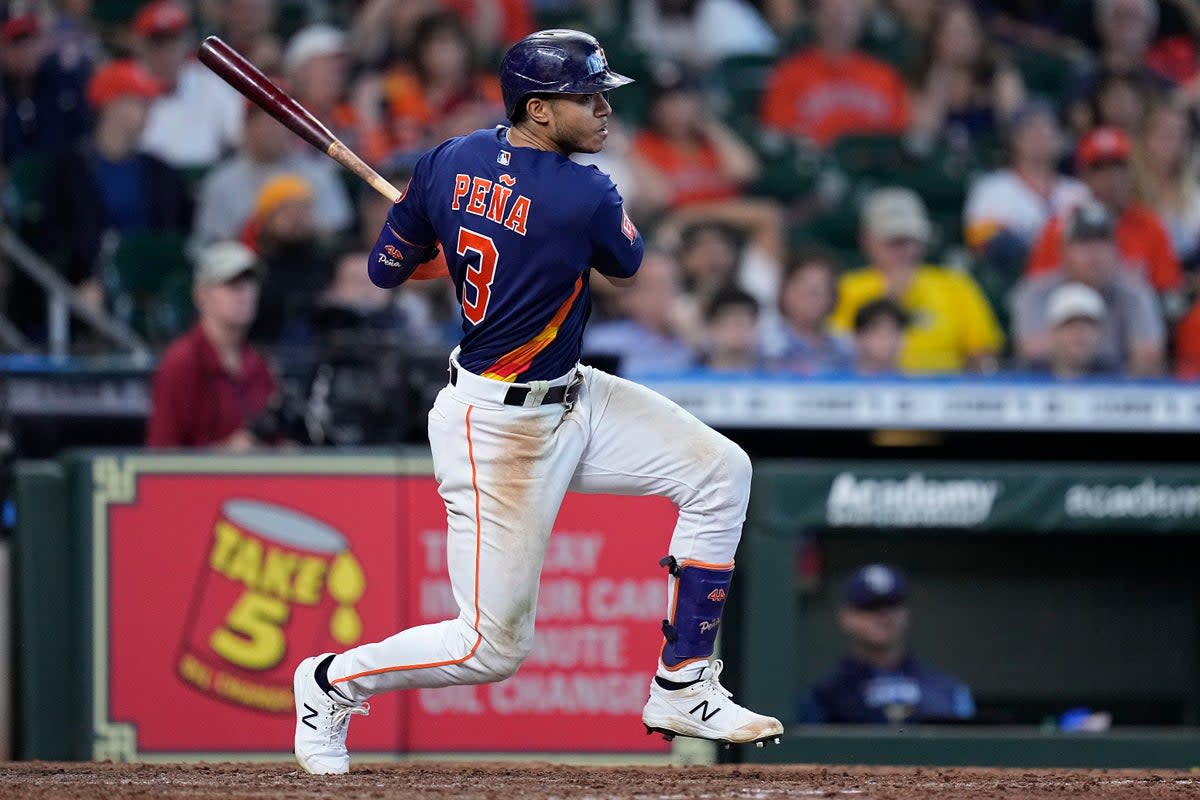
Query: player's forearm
[[394, 259]]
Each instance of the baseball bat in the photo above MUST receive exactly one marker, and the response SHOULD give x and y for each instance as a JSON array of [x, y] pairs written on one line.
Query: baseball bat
[[232, 67]]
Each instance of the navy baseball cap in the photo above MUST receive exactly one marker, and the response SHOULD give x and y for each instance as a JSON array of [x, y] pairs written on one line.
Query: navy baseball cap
[[876, 585]]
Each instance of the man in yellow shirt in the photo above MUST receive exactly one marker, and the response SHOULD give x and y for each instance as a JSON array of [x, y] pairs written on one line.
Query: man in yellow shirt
[[952, 328]]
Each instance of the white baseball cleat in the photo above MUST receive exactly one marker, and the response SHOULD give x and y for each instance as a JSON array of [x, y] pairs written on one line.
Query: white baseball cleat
[[321, 722], [705, 710]]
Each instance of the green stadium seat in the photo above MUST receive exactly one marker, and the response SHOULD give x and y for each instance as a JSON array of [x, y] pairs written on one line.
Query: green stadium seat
[[142, 261], [170, 311], [28, 177], [737, 85], [1045, 74], [870, 155]]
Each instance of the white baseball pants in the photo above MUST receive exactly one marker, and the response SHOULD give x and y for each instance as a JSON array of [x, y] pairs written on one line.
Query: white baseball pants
[[502, 472]]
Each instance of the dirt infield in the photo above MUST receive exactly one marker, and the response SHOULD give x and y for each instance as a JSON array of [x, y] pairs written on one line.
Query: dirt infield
[[505, 781]]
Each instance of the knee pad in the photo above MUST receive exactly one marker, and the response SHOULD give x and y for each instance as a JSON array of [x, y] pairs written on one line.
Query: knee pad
[[696, 605]]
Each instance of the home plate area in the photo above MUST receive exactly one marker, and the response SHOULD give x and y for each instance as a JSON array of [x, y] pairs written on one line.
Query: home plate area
[[230, 781]]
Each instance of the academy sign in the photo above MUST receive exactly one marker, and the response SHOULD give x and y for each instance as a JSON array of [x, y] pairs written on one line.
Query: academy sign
[[911, 502]]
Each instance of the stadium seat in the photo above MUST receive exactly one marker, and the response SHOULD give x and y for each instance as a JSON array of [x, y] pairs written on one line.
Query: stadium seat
[[26, 195], [736, 88], [143, 261], [171, 311], [1044, 73]]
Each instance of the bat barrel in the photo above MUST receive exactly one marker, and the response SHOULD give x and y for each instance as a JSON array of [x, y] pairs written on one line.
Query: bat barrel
[[239, 73]]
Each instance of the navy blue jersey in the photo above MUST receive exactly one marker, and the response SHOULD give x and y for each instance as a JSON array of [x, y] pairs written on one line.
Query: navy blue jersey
[[856, 692], [520, 228]]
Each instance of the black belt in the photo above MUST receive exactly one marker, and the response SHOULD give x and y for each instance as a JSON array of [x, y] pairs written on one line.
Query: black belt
[[516, 394]]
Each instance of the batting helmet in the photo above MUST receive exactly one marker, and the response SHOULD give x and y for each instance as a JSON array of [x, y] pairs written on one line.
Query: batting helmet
[[560, 61]]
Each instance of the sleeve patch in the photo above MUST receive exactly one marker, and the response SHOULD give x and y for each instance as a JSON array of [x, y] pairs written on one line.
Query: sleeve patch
[[627, 227]]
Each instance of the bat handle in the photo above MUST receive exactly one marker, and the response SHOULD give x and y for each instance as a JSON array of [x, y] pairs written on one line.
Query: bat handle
[[350, 160]]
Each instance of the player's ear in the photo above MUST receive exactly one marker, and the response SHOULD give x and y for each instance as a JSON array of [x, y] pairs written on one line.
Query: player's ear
[[538, 109]]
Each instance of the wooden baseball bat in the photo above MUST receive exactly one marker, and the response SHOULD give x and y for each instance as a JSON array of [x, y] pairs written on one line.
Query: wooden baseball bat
[[239, 73]]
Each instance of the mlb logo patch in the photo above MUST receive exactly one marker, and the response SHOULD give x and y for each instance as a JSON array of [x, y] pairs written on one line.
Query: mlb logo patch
[[503, 158]]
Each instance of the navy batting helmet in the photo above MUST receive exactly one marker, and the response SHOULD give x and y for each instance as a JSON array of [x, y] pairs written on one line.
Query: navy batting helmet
[[560, 61]]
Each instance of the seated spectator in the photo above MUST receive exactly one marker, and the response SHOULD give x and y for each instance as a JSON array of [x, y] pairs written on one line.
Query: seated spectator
[[1007, 209], [1075, 314], [953, 328], [211, 388], [732, 342], [247, 26], [712, 255], [283, 232], [1120, 100], [699, 33], [442, 93], [1187, 345], [73, 34], [831, 89], [1168, 177], [106, 185], [648, 338], [227, 194], [803, 343], [1126, 29], [198, 118], [684, 153], [962, 92], [878, 336], [1145, 248], [43, 108], [1132, 330], [880, 681], [317, 66]]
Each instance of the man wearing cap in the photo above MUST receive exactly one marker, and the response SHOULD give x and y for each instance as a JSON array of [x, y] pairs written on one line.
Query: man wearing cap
[[211, 388], [108, 185], [198, 118], [951, 326], [42, 109], [1103, 161], [880, 681], [317, 67], [1132, 331], [1075, 313], [1010, 206]]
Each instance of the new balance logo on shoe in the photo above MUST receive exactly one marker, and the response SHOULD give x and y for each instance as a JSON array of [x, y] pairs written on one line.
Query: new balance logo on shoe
[[308, 718], [705, 715]]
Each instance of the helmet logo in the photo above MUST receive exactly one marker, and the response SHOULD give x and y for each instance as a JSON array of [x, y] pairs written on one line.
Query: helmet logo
[[597, 62]]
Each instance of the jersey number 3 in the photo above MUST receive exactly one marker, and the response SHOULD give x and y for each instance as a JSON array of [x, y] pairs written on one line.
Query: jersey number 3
[[479, 276]]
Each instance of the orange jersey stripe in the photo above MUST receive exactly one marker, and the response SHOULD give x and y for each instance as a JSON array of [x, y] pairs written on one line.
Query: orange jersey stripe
[[478, 545], [514, 362]]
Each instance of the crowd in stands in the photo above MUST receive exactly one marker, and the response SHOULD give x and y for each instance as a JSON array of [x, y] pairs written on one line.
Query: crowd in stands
[[870, 187]]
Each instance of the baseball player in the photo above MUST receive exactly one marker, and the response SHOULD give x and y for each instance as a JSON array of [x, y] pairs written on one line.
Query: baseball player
[[522, 421]]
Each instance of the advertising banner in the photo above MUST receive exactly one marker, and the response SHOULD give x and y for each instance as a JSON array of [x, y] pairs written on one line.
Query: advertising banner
[[215, 576], [1052, 498]]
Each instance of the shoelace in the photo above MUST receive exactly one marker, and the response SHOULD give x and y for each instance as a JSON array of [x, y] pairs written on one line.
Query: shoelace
[[341, 715], [715, 678]]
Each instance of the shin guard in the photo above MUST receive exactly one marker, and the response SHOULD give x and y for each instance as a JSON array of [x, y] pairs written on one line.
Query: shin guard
[[696, 604]]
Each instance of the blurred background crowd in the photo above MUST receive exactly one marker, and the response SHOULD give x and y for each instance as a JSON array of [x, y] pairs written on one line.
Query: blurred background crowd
[[870, 187]]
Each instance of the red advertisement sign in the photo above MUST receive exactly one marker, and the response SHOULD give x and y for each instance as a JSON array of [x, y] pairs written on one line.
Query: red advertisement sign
[[217, 584]]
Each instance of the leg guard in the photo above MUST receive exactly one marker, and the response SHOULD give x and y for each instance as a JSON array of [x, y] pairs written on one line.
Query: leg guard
[[696, 604]]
